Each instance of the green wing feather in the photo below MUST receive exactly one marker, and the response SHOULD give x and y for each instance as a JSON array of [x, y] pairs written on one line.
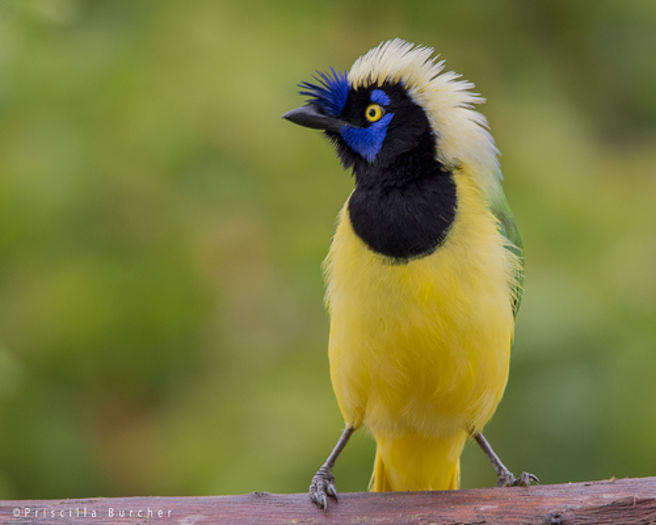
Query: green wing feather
[[508, 228]]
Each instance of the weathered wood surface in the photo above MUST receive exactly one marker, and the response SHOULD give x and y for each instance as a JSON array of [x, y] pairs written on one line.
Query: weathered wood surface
[[616, 502]]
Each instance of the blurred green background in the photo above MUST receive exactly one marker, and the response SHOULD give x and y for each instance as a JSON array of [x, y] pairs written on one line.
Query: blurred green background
[[161, 232]]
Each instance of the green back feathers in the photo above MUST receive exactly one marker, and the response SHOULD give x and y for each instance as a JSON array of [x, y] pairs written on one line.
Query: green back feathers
[[508, 228]]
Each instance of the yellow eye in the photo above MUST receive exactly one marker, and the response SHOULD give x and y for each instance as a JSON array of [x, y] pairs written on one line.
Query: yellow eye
[[373, 112]]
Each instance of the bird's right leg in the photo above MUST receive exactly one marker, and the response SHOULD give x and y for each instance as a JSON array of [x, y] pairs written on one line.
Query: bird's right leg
[[323, 482]]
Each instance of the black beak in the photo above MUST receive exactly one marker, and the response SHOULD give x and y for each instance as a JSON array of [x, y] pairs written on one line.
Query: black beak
[[310, 118]]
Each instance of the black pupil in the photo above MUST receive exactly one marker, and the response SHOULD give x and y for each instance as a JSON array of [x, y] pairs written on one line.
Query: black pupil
[[372, 112]]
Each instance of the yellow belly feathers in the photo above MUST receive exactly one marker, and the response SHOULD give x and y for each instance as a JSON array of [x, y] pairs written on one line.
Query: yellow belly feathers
[[419, 351]]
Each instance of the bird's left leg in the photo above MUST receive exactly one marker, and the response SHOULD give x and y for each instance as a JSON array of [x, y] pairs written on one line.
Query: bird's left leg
[[323, 482], [505, 478]]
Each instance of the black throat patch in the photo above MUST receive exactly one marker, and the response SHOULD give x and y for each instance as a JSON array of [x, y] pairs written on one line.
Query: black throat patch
[[404, 208]]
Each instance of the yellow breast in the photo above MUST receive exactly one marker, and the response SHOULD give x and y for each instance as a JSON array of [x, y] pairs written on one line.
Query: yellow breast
[[422, 346]]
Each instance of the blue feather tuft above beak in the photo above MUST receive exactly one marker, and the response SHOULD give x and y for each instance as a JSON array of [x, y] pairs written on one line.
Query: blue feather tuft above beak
[[330, 92]]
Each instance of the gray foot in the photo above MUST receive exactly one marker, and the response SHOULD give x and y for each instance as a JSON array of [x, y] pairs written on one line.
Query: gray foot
[[322, 486], [508, 479]]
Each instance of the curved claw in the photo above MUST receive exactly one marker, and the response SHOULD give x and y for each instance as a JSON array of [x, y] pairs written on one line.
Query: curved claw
[[322, 486], [526, 479]]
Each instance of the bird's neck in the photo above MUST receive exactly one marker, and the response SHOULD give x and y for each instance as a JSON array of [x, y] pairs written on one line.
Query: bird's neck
[[403, 210]]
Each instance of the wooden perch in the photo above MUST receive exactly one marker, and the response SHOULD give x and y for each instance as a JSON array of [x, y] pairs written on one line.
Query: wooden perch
[[622, 501]]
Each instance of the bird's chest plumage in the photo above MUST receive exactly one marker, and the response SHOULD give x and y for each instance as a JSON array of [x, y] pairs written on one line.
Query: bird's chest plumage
[[404, 222], [421, 345]]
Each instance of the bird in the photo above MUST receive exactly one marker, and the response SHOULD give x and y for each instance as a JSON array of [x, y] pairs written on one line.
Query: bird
[[424, 272]]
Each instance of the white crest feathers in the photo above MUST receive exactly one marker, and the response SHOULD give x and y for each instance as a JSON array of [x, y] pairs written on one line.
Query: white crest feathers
[[462, 133]]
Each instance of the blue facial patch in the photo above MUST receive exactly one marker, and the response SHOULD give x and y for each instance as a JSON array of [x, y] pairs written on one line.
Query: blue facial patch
[[379, 97], [367, 141], [330, 92]]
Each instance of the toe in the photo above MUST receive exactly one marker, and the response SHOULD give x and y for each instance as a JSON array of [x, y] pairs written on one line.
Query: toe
[[526, 479], [506, 479]]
